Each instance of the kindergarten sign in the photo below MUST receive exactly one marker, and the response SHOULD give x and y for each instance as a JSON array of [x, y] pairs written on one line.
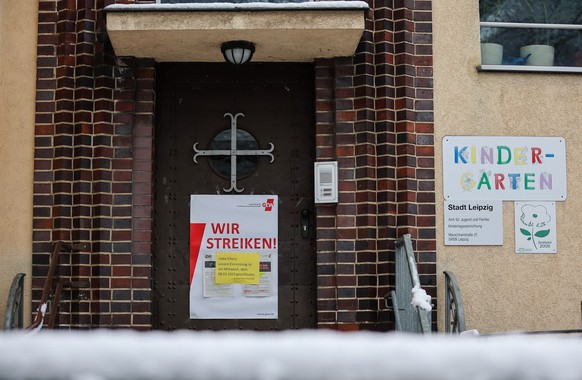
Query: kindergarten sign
[[233, 256], [504, 168]]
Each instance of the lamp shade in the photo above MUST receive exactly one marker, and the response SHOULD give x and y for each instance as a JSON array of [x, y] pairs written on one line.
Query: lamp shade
[[238, 52]]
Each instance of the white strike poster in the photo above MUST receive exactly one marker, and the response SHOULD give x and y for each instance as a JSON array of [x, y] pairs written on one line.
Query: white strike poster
[[233, 256]]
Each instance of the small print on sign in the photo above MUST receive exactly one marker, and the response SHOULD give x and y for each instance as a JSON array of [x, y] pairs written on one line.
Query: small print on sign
[[473, 223]]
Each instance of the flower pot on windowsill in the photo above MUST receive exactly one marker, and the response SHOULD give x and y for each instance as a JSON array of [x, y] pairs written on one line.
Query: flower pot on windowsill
[[541, 55], [491, 53]]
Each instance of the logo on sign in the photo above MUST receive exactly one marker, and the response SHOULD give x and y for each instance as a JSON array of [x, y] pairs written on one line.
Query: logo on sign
[[268, 205]]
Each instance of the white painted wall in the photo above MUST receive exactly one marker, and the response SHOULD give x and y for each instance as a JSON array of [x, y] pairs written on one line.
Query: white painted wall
[[18, 27], [504, 291]]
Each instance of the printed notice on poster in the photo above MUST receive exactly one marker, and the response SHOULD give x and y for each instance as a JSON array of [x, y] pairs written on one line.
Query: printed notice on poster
[[264, 288], [473, 223], [224, 269], [211, 288]]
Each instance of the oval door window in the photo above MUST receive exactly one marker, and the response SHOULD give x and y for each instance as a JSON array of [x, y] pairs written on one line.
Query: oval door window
[[245, 164]]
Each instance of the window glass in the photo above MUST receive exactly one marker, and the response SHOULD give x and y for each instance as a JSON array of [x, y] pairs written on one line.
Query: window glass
[[245, 164], [562, 39]]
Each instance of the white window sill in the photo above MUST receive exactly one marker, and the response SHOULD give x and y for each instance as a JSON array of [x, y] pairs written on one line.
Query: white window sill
[[530, 69]]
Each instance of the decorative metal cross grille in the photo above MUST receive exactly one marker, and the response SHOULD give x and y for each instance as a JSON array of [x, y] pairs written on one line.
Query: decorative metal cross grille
[[233, 152]]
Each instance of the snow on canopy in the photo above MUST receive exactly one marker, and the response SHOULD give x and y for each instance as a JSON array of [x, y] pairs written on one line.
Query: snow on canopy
[[248, 6]]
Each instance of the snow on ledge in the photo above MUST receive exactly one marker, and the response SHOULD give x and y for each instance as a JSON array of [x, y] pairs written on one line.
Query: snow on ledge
[[253, 6], [301, 355]]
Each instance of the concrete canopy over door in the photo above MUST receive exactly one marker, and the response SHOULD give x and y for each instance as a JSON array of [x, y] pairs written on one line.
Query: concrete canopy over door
[[282, 32]]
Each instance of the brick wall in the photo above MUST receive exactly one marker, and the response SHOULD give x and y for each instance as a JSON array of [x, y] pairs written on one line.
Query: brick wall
[[93, 173], [93, 168], [374, 116]]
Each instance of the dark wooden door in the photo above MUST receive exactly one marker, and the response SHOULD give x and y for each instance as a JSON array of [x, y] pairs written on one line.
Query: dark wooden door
[[277, 103]]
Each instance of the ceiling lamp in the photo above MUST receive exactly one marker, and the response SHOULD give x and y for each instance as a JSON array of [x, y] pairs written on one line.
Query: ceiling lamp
[[237, 52]]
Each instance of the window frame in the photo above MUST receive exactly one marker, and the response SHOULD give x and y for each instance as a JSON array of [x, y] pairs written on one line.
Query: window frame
[[525, 68]]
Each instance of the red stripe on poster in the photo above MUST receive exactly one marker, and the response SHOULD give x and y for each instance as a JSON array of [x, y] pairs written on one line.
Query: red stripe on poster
[[196, 234]]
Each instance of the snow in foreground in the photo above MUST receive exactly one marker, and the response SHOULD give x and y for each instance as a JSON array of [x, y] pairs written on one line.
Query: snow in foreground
[[305, 355]]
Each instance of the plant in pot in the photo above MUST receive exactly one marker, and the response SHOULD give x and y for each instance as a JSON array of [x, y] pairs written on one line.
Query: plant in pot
[[491, 51], [540, 51]]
